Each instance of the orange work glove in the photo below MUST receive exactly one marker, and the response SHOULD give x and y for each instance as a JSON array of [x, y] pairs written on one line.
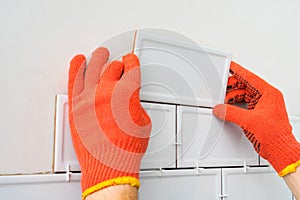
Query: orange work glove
[[110, 129], [265, 121]]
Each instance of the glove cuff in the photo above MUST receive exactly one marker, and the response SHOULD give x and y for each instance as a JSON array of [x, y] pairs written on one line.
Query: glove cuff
[[285, 157], [132, 181], [289, 169]]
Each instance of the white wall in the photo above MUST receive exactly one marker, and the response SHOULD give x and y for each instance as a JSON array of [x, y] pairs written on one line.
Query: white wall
[[39, 37]]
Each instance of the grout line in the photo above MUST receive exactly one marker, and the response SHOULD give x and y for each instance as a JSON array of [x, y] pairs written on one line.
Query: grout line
[[222, 192], [176, 104], [218, 167], [176, 138], [63, 172], [33, 173]]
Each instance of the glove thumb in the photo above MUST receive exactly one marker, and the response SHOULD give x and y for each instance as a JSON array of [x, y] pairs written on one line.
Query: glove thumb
[[231, 113]]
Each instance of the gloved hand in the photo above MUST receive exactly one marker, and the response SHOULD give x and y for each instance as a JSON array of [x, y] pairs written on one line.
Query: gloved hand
[[265, 121], [110, 129]]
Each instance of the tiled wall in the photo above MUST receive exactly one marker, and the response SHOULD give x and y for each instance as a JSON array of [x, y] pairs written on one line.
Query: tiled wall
[[38, 39]]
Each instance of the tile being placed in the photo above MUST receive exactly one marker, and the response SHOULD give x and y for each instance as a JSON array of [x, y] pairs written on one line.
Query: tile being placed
[[205, 141], [259, 183], [161, 151], [181, 184], [180, 72]]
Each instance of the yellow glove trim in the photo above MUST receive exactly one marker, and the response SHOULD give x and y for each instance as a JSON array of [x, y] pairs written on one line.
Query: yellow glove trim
[[111, 182], [289, 169]]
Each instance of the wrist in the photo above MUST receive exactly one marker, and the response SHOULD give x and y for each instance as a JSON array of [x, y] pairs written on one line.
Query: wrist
[[118, 181], [293, 182], [119, 192], [97, 176]]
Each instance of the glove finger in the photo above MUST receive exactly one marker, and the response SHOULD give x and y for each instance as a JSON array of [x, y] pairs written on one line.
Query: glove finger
[[249, 78], [132, 74], [76, 73], [231, 113], [98, 60], [113, 71], [235, 96], [130, 61], [132, 70]]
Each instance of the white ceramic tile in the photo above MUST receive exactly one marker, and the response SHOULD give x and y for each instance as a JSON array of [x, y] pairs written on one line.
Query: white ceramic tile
[[257, 183], [181, 184], [64, 153], [210, 142], [180, 72], [295, 122], [46, 187], [161, 151]]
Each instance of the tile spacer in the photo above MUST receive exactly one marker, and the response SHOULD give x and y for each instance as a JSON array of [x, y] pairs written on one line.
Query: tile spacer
[[245, 167], [198, 169], [222, 196], [68, 173], [177, 144], [161, 171]]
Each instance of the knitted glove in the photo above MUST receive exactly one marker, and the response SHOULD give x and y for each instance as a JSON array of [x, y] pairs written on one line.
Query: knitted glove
[[110, 129], [265, 121]]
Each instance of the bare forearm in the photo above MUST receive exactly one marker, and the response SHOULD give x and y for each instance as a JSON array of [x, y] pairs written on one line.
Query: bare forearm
[[118, 192], [293, 181]]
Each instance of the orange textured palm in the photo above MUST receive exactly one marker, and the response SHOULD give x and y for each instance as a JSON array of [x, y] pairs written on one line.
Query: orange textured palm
[[265, 121]]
